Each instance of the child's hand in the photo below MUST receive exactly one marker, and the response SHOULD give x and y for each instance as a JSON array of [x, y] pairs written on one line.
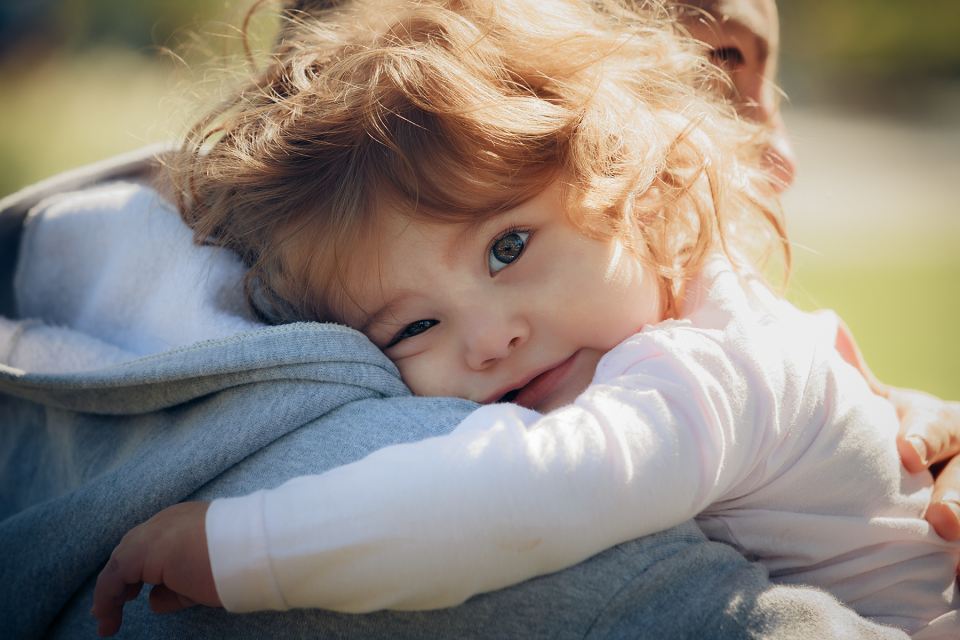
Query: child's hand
[[930, 433], [169, 551]]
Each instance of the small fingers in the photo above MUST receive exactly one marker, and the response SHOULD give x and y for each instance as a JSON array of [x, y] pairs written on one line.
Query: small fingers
[[109, 621], [164, 600], [944, 510], [109, 596], [120, 581], [110, 624], [170, 547], [111, 590], [133, 590]]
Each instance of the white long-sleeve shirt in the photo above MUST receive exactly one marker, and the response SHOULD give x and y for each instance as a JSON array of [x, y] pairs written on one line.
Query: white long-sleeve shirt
[[741, 413]]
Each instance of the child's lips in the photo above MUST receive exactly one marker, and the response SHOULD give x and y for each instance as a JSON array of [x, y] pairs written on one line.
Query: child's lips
[[541, 386]]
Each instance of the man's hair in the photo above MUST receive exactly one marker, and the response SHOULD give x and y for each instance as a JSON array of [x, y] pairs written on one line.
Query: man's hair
[[458, 110]]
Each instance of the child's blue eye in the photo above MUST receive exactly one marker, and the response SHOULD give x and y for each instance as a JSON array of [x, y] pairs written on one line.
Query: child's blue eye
[[413, 329], [507, 249]]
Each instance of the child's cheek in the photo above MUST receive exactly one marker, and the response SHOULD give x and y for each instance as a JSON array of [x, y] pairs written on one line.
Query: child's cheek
[[428, 374]]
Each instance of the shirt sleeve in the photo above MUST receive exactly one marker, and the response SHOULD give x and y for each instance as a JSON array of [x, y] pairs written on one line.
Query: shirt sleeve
[[508, 495]]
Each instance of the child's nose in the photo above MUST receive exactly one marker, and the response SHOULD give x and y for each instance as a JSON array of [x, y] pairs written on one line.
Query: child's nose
[[493, 338]]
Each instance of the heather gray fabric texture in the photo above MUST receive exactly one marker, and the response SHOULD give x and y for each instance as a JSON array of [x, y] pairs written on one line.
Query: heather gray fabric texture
[[85, 457]]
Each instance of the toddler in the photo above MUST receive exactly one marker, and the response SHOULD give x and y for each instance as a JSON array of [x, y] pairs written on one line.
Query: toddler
[[544, 207]]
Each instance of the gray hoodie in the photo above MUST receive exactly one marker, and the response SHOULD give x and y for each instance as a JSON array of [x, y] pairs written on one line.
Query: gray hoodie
[[84, 457]]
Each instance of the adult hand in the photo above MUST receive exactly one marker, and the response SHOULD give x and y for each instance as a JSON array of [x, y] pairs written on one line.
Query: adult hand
[[168, 551], [930, 434]]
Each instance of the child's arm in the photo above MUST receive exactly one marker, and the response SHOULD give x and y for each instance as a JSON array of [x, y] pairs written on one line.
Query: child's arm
[[428, 524], [168, 551], [509, 495]]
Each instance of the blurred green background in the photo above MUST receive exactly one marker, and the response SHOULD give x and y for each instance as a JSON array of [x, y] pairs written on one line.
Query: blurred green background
[[873, 108], [873, 105]]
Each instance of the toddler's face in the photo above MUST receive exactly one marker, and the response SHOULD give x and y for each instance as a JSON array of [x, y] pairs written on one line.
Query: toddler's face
[[521, 308]]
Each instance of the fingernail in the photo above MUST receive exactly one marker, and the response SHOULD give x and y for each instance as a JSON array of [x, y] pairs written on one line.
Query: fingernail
[[954, 507], [920, 447]]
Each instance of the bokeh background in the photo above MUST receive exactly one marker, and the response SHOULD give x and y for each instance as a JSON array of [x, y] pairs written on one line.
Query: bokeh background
[[872, 101]]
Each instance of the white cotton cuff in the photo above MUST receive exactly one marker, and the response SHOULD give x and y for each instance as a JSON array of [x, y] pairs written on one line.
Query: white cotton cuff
[[237, 544]]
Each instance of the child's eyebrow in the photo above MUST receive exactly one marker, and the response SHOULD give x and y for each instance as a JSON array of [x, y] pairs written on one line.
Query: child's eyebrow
[[386, 311]]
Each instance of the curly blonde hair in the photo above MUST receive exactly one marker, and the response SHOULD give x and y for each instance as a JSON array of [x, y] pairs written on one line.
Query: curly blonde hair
[[458, 110]]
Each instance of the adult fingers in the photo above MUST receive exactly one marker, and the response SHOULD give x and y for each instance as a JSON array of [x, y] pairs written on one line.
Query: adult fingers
[[929, 429], [944, 510], [930, 433]]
